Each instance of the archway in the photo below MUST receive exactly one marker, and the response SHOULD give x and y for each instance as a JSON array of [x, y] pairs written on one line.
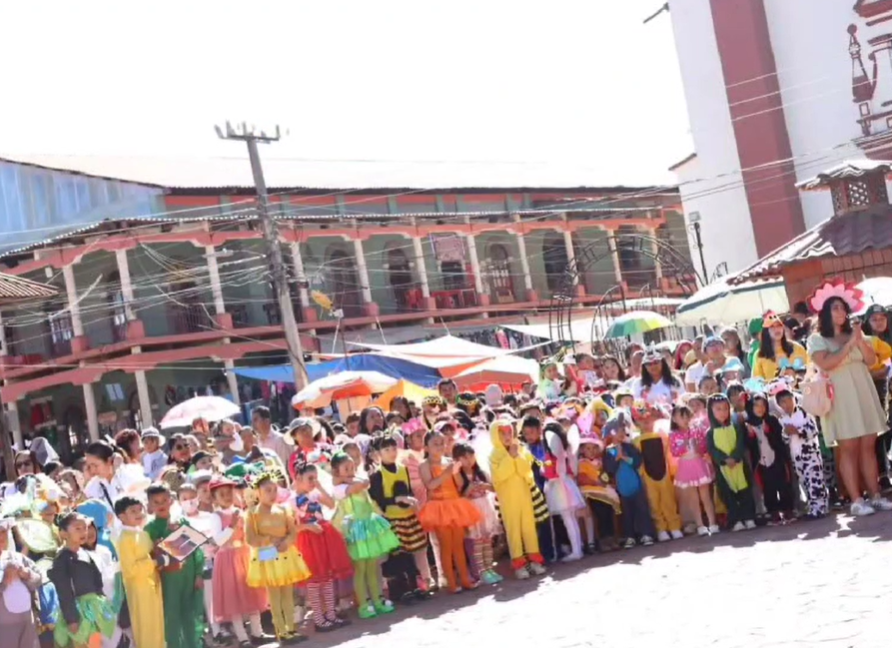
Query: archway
[[399, 275], [565, 299]]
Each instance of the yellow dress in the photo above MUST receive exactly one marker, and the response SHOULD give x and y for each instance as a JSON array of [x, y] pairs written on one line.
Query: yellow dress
[[142, 584], [768, 369], [883, 351], [269, 528]]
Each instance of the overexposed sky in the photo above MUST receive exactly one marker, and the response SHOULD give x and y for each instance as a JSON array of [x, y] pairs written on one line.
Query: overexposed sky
[[576, 82]]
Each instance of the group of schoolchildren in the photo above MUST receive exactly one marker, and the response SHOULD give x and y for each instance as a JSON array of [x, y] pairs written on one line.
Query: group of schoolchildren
[[420, 503]]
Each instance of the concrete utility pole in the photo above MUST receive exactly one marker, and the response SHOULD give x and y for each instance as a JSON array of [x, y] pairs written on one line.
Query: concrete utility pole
[[270, 233]]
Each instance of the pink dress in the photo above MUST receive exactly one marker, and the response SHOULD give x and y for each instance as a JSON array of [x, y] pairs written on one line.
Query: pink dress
[[232, 596], [689, 449], [412, 460]]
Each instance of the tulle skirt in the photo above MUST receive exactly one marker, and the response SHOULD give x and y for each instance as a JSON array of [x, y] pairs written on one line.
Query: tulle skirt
[[408, 529], [287, 568], [457, 512], [96, 616], [562, 495], [325, 554], [490, 525], [369, 539], [232, 595], [693, 472]]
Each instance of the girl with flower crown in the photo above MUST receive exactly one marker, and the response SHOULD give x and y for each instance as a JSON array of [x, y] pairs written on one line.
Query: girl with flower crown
[[276, 564]]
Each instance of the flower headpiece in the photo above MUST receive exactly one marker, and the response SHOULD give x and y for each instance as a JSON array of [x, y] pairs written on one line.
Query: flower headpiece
[[433, 401], [270, 474], [770, 318], [847, 292]]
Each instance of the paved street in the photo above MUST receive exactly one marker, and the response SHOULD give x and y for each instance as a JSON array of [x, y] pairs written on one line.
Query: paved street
[[807, 584]]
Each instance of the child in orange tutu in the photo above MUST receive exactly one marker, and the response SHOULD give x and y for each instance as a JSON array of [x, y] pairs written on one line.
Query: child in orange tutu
[[446, 513]]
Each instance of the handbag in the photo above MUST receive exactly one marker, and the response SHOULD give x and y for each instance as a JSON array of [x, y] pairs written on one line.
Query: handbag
[[817, 393]]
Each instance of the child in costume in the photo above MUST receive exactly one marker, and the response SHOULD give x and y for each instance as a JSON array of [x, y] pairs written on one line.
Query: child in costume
[[561, 491], [801, 434], [594, 483], [112, 587], [653, 444], [511, 466], [412, 456], [182, 582], [726, 441], [549, 380], [534, 440], [390, 486], [139, 569], [86, 614], [321, 546], [366, 532], [446, 513], [276, 564], [622, 462], [475, 486], [233, 598], [20, 578], [694, 475], [772, 465]]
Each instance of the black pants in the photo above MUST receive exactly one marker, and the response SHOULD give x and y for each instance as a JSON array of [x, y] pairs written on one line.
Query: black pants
[[636, 518], [401, 573], [546, 540], [605, 526], [777, 486], [741, 506]]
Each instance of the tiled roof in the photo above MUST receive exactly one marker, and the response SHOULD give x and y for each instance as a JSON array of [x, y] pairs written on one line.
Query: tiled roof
[[233, 174], [14, 289], [841, 235], [848, 169]]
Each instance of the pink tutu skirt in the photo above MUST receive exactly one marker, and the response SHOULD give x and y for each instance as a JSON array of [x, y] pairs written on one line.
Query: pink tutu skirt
[[490, 525], [232, 595], [693, 472]]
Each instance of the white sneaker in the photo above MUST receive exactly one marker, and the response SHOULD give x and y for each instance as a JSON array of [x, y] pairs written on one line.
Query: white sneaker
[[738, 527], [662, 536], [571, 558], [536, 569], [646, 541], [860, 508], [677, 535], [702, 531], [713, 529], [880, 504], [521, 573], [629, 543], [750, 525]]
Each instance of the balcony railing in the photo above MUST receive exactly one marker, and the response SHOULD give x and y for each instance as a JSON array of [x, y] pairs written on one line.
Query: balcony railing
[[239, 314], [189, 318], [461, 298]]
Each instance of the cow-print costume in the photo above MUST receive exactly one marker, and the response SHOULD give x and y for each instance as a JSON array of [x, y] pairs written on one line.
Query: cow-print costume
[[806, 454]]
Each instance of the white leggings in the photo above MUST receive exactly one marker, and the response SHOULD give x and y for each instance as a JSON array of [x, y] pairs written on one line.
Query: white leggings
[[571, 522], [238, 626], [209, 607]]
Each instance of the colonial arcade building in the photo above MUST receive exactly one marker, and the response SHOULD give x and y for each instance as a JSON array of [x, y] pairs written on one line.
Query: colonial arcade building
[[165, 286]]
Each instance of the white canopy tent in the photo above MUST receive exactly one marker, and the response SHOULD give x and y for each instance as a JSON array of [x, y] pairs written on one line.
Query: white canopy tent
[[722, 302], [446, 346]]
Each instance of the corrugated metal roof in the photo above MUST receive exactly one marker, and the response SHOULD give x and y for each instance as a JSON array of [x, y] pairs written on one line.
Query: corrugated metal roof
[[233, 174], [848, 169], [13, 289], [852, 233]]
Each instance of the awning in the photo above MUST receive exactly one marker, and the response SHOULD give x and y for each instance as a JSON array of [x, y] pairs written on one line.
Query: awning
[[722, 302], [446, 346], [396, 367]]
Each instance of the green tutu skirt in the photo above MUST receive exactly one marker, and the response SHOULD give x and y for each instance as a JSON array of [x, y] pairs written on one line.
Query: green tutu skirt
[[96, 615], [368, 539]]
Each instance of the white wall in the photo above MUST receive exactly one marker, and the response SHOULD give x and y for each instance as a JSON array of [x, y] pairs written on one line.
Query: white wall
[[713, 185]]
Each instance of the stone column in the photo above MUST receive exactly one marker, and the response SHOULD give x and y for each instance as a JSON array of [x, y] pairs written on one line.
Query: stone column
[[126, 284], [142, 385], [362, 268], [79, 342], [525, 263], [614, 255], [210, 254], [92, 414]]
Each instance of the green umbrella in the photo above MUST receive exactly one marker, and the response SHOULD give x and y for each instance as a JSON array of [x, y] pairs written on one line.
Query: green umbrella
[[637, 322]]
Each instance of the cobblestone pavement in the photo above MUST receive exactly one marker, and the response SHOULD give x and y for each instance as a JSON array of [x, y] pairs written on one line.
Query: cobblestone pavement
[[807, 584]]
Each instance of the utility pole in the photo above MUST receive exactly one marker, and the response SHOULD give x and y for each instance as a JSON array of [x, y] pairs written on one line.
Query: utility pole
[[694, 219], [271, 234]]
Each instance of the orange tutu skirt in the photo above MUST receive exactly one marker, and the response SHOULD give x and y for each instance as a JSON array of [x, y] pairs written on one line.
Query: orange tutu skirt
[[457, 512]]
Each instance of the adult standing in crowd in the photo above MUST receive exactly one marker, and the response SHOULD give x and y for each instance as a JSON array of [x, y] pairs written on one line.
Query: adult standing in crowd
[[876, 325], [713, 360], [840, 349], [267, 437], [774, 348]]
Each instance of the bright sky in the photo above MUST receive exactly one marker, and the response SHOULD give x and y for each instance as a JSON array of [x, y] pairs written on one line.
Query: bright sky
[[566, 81]]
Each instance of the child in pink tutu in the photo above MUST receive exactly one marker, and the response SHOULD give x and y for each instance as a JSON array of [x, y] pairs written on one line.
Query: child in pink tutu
[[475, 485], [234, 599], [694, 476]]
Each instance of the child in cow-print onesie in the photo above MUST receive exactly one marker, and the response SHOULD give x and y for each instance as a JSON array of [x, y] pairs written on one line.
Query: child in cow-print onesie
[[801, 433]]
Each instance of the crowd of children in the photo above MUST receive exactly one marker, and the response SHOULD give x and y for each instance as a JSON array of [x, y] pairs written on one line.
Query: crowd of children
[[391, 507]]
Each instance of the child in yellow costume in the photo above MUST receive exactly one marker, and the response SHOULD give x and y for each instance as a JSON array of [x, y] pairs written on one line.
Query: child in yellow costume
[[656, 471], [511, 465]]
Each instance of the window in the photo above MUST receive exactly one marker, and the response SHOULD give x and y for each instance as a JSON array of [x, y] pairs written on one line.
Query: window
[[399, 274], [500, 284], [554, 255], [345, 290], [116, 303], [453, 273]]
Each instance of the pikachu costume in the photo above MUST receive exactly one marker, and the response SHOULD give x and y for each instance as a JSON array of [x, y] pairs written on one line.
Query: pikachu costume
[[512, 478]]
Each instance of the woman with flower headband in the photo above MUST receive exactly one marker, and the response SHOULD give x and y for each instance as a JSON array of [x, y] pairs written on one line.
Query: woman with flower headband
[[276, 564], [840, 349]]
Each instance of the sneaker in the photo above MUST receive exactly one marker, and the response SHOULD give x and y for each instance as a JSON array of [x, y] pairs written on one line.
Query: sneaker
[[629, 543], [367, 612], [714, 528], [262, 640], [383, 606], [860, 508], [536, 569], [571, 558], [646, 541], [293, 640], [521, 573], [702, 531], [662, 536], [880, 504], [738, 527], [490, 578], [677, 535], [750, 525]]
